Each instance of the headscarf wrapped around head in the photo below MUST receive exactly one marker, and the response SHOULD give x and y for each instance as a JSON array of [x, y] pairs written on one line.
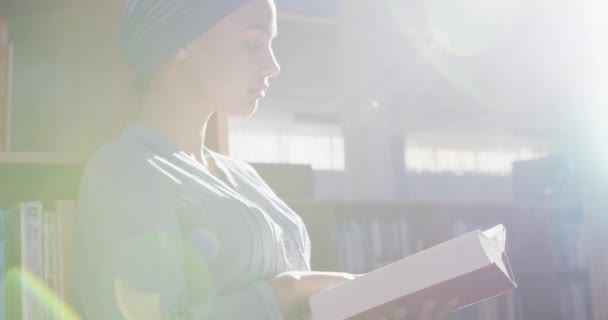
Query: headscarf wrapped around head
[[154, 30]]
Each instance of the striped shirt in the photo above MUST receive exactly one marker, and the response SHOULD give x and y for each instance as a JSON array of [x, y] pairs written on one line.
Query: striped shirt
[[157, 236]]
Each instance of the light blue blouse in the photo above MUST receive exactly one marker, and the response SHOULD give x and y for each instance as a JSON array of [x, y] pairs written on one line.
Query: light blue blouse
[[157, 236]]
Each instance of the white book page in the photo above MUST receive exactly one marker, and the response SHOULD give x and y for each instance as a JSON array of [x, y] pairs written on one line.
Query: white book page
[[495, 244]]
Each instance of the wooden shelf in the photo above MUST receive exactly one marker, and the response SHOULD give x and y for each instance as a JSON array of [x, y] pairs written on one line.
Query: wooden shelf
[[41, 176], [36, 158]]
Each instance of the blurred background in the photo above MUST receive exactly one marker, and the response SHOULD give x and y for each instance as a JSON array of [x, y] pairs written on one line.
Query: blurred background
[[393, 126]]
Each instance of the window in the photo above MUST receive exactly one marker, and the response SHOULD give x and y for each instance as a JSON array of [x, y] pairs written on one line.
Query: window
[[322, 151], [459, 157]]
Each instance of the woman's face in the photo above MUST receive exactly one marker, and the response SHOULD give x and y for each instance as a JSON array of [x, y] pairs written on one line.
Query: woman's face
[[230, 65]]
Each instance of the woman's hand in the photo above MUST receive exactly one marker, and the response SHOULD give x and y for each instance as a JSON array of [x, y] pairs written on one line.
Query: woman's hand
[[293, 288]]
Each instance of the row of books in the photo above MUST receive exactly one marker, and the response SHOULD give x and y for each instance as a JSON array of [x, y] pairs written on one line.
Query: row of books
[[506, 307], [365, 243], [569, 249], [6, 62], [472, 267], [574, 300], [369, 242], [35, 261]]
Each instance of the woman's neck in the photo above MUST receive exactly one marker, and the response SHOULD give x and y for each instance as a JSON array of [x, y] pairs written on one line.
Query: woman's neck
[[167, 108]]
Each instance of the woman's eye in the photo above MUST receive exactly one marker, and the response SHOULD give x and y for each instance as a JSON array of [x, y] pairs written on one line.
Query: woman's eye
[[253, 46]]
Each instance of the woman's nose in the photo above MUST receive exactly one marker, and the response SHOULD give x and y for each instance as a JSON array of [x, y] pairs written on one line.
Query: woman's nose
[[271, 66]]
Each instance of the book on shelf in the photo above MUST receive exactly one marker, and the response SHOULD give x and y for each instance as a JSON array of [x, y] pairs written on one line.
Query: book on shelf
[[24, 261], [36, 261], [573, 300], [471, 268], [50, 261], [568, 251], [500, 308], [366, 243], [64, 222], [2, 264]]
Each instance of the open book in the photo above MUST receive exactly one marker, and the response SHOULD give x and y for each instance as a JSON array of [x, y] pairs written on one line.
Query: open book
[[472, 267]]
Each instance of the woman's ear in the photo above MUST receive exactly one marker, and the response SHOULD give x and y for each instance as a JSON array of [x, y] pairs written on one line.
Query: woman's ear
[[182, 54]]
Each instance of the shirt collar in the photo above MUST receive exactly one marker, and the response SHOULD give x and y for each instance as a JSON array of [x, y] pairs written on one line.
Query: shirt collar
[[151, 138]]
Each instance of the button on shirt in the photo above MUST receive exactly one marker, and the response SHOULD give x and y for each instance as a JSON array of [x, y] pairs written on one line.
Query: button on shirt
[[157, 236]]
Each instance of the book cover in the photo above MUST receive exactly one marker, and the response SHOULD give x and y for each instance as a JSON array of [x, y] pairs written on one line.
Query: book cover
[[24, 261], [54, 263], [65, 219], [31, 254], [2, 264], [51, 276], [13, 264], [472, 267]]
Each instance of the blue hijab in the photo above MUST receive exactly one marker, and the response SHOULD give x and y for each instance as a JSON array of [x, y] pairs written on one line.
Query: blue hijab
[[154, 30]]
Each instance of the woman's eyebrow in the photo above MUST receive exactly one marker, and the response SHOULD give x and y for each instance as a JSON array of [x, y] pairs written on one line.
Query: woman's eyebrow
[[264, 28]]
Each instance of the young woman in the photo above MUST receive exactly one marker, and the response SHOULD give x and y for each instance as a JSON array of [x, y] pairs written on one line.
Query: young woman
[[166, 228]]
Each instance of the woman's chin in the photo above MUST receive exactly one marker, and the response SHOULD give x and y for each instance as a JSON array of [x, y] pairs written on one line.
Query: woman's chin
[[244, 109]]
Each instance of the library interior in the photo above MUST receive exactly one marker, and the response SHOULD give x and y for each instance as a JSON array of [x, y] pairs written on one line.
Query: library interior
[[392, 130]]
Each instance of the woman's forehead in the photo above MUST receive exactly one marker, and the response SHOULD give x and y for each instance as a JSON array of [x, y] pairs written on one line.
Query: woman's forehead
[[258, 14]]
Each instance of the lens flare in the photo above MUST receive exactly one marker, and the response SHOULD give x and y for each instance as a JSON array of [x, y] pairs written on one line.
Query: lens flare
[[32, 288], [136, 305], [206, 243], [428, 47], [469, 27]]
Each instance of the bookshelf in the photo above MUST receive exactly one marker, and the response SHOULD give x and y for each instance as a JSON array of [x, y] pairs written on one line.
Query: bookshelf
[[69, 95], [596, 221], [36, 158], [45, 177], [359, 236]]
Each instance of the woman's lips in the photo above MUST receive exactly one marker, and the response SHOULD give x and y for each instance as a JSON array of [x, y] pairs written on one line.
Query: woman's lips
[[258, 93]]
